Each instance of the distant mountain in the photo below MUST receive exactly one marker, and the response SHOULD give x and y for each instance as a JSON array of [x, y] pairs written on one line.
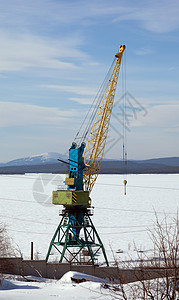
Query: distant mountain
[[44, 158], [47, 163], [168, 161]]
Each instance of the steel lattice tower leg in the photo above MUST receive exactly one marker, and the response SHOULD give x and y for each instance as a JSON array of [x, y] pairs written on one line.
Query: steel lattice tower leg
[[67, 238]]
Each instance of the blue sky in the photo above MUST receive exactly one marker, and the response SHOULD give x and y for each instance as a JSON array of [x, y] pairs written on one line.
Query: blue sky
[[54, 56]]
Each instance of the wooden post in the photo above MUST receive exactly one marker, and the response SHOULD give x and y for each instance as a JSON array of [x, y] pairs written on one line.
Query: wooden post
[[32, 251]]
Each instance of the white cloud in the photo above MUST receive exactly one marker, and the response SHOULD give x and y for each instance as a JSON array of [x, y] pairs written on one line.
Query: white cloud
[[163, 116], [78, 90], [144, 51], [156, 16], [21, 47], [82, 100], [19, 114], [21, 51]]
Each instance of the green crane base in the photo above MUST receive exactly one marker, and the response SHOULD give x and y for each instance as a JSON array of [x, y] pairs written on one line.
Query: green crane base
[[68, 243]]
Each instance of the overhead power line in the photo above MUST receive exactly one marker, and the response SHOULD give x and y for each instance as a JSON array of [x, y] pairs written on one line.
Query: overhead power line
[[97, 183], [102, 233], [140, 186], [135, 210], [47, 223], [105, 208]]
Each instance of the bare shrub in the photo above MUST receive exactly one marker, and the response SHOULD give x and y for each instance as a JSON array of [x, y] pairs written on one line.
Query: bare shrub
[[157, 276], [6, 249]]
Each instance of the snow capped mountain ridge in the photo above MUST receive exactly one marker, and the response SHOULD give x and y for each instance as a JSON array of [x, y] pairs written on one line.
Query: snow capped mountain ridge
[[47, 162], [37, 159], [46, 154]]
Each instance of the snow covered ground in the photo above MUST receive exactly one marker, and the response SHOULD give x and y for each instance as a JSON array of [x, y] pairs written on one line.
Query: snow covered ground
[[26, 208], [120, 219], [13, 288]]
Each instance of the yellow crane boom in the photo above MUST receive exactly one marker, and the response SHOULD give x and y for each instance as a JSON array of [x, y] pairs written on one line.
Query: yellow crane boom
[[94, 149]]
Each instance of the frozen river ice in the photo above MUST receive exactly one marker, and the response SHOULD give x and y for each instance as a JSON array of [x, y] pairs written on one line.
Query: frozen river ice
[[120, 219]]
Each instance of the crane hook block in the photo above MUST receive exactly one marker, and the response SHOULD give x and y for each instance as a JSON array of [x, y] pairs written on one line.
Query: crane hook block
[[125, 183]]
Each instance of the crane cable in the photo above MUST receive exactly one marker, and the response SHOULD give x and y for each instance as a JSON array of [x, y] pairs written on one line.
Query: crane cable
[[124, 110], [93, 108], [95, 105]]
